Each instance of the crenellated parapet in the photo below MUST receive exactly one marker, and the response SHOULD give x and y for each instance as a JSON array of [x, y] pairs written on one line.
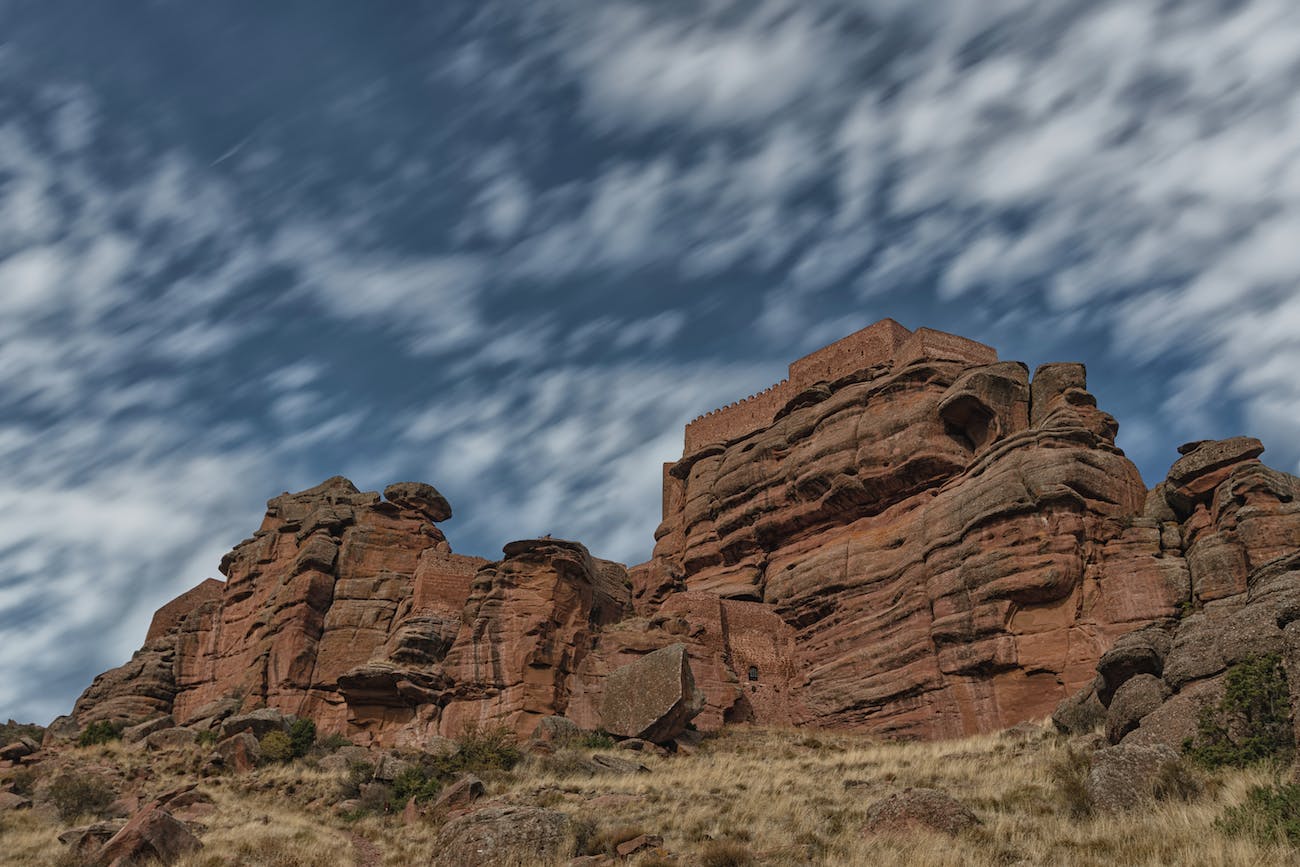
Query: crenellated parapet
[[885, 343]]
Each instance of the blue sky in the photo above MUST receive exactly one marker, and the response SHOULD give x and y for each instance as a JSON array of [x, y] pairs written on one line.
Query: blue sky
[[511, 248]]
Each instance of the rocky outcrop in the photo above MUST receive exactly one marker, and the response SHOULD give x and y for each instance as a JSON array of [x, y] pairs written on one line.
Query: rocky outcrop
[[952, 542], [1237, 525], [906, 536]]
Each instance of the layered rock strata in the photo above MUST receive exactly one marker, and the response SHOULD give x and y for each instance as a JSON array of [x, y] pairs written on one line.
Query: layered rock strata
[[906, 536]]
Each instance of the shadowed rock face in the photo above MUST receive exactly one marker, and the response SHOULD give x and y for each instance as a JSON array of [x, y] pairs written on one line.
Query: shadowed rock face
[[907, 536]]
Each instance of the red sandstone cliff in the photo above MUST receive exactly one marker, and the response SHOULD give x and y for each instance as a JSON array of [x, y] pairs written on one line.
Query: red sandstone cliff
[[906, 536]]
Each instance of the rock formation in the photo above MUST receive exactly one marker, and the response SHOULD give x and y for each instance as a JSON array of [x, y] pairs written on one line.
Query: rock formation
[[906, 536], [1237, 525]]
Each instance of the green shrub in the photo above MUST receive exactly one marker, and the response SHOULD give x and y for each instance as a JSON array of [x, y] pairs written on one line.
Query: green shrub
[[302, 735], [276, 746], [80, 794], [1268, 814], [484, 749], [358, 774], [206, 738], [600, 740], [1251, 723], [416, 782], [100, 732]]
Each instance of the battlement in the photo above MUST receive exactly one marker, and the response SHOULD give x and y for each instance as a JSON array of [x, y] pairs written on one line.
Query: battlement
[[883, 343]]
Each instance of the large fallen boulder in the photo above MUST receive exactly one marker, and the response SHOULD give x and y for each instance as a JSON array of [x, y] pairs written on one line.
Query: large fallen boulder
[[652, 698], [491, 835], [152, 834]]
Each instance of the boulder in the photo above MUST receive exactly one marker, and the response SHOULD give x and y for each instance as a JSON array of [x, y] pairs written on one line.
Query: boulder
[[13, 801], [63, 729], [493, 834], [86, 840], [1142, 651], [914, 808], [259, 723], [1080, 713], [170, 739], [420, 497], [18, 749], [1121, 777], [460, 794], [240, 754], [641, 746], [653, 698], [641, 843], [345, 757], [153, 833], [389, 767], [1137, 697], [136, 733]]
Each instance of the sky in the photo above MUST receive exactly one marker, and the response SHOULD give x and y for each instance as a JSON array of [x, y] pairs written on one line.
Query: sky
[[510, 249]]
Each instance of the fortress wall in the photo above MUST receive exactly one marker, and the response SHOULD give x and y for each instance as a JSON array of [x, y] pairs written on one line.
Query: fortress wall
[[740, 418], [884, 342], [926, 343], [875, 344], [442, 581]]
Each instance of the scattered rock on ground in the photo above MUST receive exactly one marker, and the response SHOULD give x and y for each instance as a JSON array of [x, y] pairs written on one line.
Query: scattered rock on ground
[[484, 837], [153, 833], [918, 808], [461, 793], [136, 733]]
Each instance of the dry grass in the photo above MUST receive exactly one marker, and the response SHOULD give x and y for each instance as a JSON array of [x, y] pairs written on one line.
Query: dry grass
[[750, 796]]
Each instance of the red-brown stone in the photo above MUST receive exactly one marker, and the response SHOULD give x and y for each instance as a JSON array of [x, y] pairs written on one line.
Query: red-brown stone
[[906, 536]]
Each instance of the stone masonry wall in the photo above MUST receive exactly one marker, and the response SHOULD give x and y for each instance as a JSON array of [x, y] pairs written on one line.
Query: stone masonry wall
[[884, 342]]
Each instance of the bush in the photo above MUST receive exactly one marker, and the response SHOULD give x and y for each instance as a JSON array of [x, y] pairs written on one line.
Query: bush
[[76, 795], [302, 735], [100, 732], [1268, 814], [484, 749], [417, 782], [1251, 723], [276, 747], [600, 740]]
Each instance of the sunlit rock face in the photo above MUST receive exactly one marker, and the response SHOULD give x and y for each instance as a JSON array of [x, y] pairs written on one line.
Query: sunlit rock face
[[906, 536], [953, 542]]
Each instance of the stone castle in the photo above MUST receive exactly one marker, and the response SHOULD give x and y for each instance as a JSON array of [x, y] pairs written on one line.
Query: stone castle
[[886, 344]]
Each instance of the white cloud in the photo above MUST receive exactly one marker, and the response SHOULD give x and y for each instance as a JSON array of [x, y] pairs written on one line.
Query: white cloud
[[642, 68]]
